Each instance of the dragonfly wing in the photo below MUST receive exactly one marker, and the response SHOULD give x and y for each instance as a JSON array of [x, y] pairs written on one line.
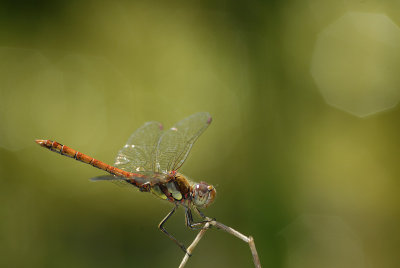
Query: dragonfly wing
[[175, 143], [139, 152], [106, 178], [149, 177], [120, 181]]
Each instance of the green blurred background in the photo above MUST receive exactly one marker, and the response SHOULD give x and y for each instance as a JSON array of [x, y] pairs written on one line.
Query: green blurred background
[[303, 147]]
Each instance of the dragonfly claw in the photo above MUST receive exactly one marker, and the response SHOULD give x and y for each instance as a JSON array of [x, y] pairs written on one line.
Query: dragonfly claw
[[184, 249]]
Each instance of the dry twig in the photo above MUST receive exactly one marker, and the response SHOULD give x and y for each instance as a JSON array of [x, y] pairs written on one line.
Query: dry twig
[[227, 229]]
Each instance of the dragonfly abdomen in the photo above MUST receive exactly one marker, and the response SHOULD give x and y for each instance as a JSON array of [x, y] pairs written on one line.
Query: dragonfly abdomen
[[67, 151]]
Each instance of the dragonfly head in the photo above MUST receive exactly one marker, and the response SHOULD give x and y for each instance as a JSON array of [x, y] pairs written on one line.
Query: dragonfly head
[[203, 194]]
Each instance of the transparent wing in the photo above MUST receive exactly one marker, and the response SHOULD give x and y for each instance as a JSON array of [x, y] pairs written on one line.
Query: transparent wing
[[150, 177], [139, 152], [119, 181], [175, 143]]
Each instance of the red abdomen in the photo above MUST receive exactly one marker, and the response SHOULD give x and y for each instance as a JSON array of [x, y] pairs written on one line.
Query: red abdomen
[[67, 151]]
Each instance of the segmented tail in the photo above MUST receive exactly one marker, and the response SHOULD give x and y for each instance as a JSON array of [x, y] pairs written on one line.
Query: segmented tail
[[67, 151]]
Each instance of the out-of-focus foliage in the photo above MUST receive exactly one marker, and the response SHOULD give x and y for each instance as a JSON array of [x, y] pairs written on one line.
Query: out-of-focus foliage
[[303, 148]]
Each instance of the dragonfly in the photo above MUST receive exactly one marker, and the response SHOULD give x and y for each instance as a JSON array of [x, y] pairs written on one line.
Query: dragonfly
[[150, 161]]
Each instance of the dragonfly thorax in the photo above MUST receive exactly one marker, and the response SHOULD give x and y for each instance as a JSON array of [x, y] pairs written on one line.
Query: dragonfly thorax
[[203, 194]]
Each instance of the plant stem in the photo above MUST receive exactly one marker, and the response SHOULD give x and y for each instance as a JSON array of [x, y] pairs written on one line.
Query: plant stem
[[227, 229]]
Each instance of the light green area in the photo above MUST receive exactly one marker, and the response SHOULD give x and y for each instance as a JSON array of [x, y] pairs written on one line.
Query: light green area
[[314, 185], [157, 192]]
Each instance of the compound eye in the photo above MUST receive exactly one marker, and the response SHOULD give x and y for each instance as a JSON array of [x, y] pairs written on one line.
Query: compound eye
[[204, 194], [202, 189]]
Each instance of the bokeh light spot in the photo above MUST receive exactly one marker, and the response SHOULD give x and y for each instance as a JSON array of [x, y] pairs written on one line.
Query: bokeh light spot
[[355, 63]]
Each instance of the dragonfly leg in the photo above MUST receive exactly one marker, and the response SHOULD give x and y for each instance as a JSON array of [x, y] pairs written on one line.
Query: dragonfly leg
[[160, 226], [189, 220], [203, 216]]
